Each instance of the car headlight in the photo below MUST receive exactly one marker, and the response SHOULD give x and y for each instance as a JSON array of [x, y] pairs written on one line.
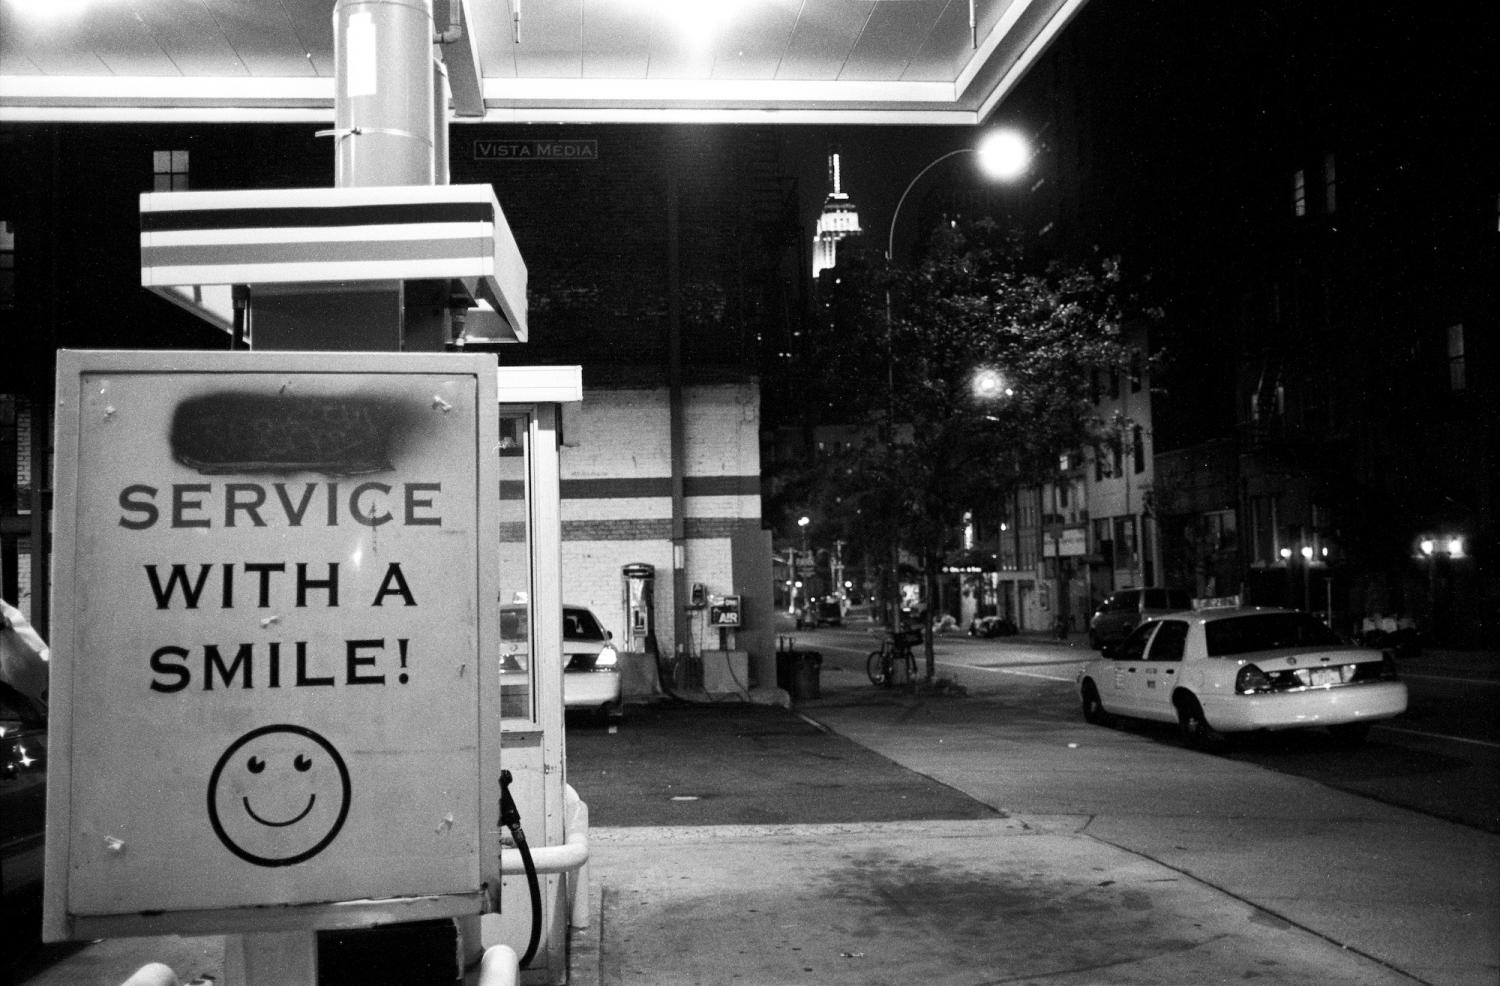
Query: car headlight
[[607, 657]]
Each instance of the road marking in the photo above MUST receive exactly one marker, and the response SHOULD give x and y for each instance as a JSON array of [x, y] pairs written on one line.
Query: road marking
[[999, 669], [1446, 678], [1440, 736]]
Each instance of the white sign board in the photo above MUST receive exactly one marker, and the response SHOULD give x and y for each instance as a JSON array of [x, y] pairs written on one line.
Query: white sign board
[[274, 584], [1070, 542]]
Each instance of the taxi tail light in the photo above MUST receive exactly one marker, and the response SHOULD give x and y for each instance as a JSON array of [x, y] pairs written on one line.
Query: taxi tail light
[[1251, 680], [607, 658]]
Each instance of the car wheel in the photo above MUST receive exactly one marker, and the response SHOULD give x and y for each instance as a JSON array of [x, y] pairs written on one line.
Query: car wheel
[[1093, 708], [1350, 735], [1194, 727]]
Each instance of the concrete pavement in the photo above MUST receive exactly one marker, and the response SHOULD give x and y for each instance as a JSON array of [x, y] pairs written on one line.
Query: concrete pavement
[[870, 837], [1112, 858]]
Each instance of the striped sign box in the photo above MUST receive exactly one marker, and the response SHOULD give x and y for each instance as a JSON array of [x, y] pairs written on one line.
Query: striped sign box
[[196, 246]]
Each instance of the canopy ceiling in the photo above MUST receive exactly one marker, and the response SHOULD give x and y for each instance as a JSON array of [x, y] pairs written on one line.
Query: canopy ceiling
[[776, 61]]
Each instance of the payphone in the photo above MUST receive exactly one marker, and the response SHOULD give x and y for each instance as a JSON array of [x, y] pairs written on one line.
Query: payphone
[[639, 607]]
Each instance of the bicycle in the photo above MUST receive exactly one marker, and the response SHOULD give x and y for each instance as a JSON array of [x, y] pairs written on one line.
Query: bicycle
[[884, 664]]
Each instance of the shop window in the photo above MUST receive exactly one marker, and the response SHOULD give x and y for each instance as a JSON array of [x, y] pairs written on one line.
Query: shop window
[[1330, 185], [1219, 530], [169, 171], [1299, 193]]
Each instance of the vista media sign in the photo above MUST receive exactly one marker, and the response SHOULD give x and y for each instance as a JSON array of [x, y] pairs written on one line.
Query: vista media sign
[[536, 150]]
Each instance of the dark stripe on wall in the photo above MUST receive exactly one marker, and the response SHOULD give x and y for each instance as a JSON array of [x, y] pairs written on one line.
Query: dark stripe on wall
[[650, 486], [697, 528], [159, 221]]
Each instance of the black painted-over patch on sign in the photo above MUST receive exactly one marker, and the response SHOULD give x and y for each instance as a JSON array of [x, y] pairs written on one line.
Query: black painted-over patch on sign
[[230, 432]]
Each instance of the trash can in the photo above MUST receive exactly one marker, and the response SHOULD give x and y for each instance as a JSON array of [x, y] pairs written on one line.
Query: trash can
[[797, 673]]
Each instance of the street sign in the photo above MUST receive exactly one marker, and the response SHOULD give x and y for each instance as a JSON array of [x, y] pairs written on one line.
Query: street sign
[[273, 597]]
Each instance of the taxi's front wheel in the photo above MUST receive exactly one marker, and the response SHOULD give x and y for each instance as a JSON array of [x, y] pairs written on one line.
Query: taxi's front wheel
[[1093, 708]]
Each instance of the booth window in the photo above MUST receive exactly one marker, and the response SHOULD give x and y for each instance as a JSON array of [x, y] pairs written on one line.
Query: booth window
[[518, 686], [169, 171]]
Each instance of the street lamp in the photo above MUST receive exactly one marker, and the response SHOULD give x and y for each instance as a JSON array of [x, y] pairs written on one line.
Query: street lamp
[[1004, 155], [989, 384]]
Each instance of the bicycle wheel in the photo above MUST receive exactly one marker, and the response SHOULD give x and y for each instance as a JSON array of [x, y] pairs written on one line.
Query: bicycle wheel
[[875, 667]]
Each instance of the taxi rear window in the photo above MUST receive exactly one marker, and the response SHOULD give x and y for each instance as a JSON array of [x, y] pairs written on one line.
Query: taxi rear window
[[1265, 631], [579, 624]]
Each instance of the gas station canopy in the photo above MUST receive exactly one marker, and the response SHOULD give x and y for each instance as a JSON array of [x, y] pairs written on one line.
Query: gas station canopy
[[648, 61]]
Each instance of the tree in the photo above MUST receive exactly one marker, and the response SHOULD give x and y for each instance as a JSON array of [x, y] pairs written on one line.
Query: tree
[[905, 359]]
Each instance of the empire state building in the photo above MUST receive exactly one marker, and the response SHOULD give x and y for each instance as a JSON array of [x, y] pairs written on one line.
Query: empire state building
[[839, 219]]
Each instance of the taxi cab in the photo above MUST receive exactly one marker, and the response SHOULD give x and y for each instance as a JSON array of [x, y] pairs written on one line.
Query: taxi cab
[[591, 674], [1225, 669]]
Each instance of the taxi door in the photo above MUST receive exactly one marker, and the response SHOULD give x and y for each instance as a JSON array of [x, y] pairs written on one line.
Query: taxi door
[[1128, 667], [1159, 672]]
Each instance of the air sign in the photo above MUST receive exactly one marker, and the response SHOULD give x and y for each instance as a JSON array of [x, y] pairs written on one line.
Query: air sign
[[271, 601]]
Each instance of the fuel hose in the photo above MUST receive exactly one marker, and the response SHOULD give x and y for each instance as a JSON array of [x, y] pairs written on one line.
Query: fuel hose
[[510, 818]]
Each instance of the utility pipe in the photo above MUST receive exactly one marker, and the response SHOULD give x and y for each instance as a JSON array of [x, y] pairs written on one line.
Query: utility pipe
[[499, 967], [152, 974]]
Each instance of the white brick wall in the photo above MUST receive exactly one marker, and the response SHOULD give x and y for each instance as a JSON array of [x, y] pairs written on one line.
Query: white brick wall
[[626, 435]]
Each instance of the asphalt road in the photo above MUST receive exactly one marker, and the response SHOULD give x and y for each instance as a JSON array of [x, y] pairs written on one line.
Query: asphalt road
[[1441, 758]]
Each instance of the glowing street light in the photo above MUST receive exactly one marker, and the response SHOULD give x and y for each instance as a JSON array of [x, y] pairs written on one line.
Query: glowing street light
[[990, 384], [1005, 155]]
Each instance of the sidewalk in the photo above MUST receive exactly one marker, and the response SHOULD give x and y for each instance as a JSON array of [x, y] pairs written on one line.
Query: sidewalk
[[738, 848]]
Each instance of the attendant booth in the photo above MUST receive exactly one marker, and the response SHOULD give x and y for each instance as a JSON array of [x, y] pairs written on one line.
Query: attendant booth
[[281, 690]]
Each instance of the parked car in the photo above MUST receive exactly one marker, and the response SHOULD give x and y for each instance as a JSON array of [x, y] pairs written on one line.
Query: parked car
[[992, 626], [1124, 610], [23, 805], [1236, 669], [591, 671]]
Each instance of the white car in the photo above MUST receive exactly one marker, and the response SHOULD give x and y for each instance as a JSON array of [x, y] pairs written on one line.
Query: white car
[[591, 669], [1238, 669]]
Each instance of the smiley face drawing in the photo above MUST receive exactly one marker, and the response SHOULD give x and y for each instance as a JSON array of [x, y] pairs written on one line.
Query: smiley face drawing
[[278, 795]]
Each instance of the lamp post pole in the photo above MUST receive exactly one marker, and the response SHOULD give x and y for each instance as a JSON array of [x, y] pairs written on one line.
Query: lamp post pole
[[1005, 155]]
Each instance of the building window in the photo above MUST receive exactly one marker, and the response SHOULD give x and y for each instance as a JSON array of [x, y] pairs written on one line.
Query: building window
[[1265, 538], [1219, 530], [1457, 379], [1138, 439], [1124, 541], [1118, 448], [169, 171], [1137, 372], [1104, 547], [1299, 193], [1330, 185], [7, 264], [1114, 384]]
